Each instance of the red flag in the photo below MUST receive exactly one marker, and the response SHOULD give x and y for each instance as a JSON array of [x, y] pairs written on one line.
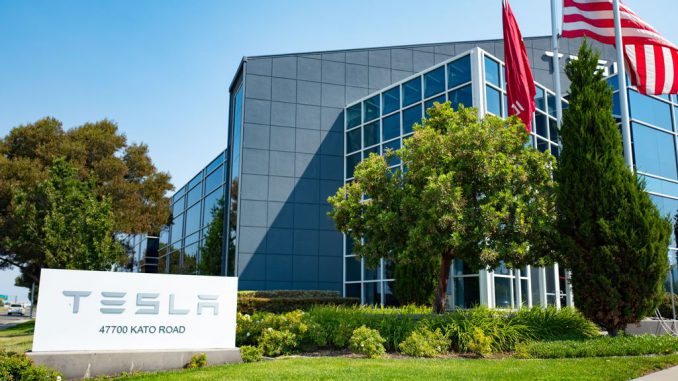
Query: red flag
[[651, 58], [519, 80]]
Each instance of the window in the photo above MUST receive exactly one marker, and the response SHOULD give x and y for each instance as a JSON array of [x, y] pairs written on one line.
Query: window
[[502, 292], [467, 292], [214, 179], [372, 293], [353, 140], [353, 290], [194, 195], [393, 145], [493, 100], [459, 71], [371, 134], [391, 126], [654, 151], [193, 219], [461, 96], [351, 162], [177, 230], [210, 202], [650, 110], [411, 91], [215, 163], [542, 145], [371, 108], [429, 103], [236, 127], [434, 82], [352, 269], [492, 71], [542, 124], [190, 262], [178, 207], [353, 116], [195, 181], [367, 152], [390, 100], [553, 131], [180, 193], [551, 103], [539, 99], [411, 116]]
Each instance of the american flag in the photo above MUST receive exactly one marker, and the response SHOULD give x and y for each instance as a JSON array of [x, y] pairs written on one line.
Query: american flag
[[652, 60]]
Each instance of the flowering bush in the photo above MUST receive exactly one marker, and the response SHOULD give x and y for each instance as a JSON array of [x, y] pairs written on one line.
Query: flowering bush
[[367, 341], [249, 353], [275, 343]]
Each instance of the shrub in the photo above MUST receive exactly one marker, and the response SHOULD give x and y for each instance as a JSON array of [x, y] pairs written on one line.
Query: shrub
[[665, 308], [479, 343], [275, 343], [250, 302], [424, 343], [18, 367], [555, 324], [603, 347], [249, 329], [368, 342], [249, 353], [198, 360]]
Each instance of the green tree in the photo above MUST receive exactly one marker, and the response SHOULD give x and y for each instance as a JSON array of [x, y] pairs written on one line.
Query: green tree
[[97, 152], [211, 251], [415, 281], [472, 191], [613, 238]]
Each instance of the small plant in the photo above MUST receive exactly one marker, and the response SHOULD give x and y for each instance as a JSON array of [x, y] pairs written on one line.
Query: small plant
[[249, 353], [424, 343], [368, 342], [555, 324], [522, 351], [18, 367], [198, 360], [275, 343], [480, 343]]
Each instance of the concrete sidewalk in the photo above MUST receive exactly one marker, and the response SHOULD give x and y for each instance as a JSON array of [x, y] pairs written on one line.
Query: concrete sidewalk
[[670, 374]]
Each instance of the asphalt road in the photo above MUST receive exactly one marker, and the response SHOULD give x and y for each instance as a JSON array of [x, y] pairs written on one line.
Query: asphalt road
[[8, 321]]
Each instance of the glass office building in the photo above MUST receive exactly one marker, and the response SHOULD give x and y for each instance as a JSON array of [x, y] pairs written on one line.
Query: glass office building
[[380, 122]]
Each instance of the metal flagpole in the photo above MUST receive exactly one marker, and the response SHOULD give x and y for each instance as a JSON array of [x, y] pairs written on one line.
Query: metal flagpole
[[623, 94], [556, 63]]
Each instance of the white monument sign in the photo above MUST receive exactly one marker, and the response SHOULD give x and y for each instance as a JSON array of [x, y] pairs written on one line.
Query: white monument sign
[[95, 311]]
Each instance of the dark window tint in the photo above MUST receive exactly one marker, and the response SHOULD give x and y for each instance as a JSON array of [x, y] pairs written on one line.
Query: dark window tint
[[459, 71], [650, 110], [390, 100], [553, 131], [654, 151], [411, 116], [542, 124], [214, 179], [367, 152], [539, 99], [542, 145], [461, 96], [551, 100], [493, 100], [393, 145], [391, 126], [467, 292], [412, 91], [353, 290], [434, 82], [351, 162], [353, 140], [371, 108], [492, 71], [352, 269], [353, 116], [371, 134], [429, 103]]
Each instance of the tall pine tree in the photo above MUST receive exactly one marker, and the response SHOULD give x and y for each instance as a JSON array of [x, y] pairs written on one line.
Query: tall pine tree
[[613, 238]]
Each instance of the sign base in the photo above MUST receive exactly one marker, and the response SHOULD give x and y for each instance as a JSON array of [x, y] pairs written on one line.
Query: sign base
[[86, 364]]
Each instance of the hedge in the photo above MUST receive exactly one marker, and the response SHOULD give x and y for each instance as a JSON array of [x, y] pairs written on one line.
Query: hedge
[[250, 302]]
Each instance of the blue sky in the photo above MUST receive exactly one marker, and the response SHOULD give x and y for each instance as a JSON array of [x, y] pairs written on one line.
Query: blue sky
[[161, 68]]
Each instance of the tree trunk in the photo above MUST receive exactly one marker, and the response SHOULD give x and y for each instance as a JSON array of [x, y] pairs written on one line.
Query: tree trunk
[[443, 278], [612, 332]]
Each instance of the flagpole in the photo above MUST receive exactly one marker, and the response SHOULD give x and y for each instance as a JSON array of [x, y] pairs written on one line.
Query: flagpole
[[556, 63], [623, 94]]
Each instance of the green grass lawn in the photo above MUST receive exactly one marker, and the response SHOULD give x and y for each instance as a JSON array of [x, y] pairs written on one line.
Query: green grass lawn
[[324, 368], [18, 338]]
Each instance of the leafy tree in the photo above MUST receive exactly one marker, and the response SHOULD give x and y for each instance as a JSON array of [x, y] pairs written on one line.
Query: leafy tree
[[211, 252], [613, 238], [472, 191], [415, 281], [98, 153]]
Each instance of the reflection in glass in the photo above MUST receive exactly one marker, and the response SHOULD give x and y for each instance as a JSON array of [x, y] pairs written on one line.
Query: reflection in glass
[[393, 146], [502, 292], [434, 82], [389, 298], [371, 134], [467, 292], [654, 151], [390, 100], [650, 110], [411, 116], [353, 116], [391, 126], [541, 124], [461, 96], [412, 91], [214, 179], [492, 71], [353, 140], [193, 219], [493, 100], [353, 290], [351, 162], [429, 103], [459, 71], [539, 99], [177, 229], [371, 108], [372, 293], [236, 124]]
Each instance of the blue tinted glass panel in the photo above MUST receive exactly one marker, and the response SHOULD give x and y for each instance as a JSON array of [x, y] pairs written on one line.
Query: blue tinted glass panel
[[194, 195], [553, 131], [434, 82], [666, 206], [539, 99], [371, 134], [393, 145], [214, 179], [351, 162], [551, 100], [371, 108], [411, 91], [660, 186], [352, 269], [493, 100], [650, 110], [411, 116], [353, 140], [195, 180], [353, 116], [461, 96], [492, 71], [459, 72], [391, 126], [178, 194], [542, 145], [615, 104], [654, 151], [367, 152], [370, 274], [178, 207], [429, 103], [542, 124], [555, 150], [177, 229], [193, 219], [210, 202], [613, 83], [390, 100], [215, 163]]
